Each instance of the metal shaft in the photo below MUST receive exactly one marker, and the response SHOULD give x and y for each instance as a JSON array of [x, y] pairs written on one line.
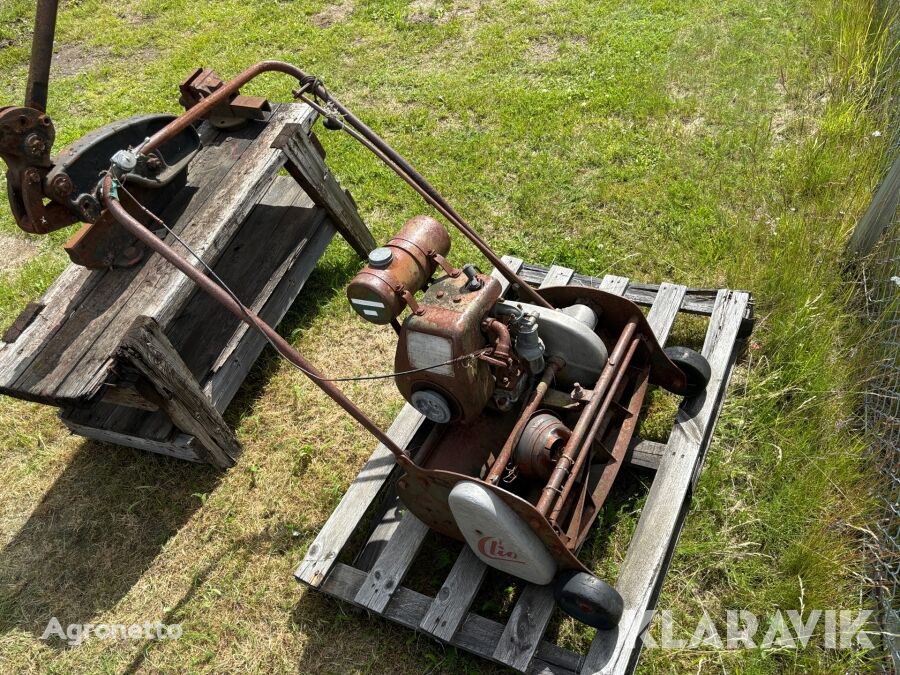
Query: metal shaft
[[41, 55], [585, 421], [245, 314], [601, 421]]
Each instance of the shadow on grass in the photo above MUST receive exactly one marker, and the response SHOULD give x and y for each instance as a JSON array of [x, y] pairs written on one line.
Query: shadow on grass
[[99, 527], [95, 532]]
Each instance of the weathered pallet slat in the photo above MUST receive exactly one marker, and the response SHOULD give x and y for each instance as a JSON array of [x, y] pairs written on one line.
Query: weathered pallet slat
[[477, 635], [520, 642], [393, 564], [322, 553], [696, 301], [449, 608], [646, 560]]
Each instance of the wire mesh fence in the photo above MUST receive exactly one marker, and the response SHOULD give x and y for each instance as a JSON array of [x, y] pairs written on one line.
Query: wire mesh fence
[[882, 417], [881, 289]]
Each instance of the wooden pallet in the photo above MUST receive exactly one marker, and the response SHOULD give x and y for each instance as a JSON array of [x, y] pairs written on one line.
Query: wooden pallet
[[374, 580], [138, 356]]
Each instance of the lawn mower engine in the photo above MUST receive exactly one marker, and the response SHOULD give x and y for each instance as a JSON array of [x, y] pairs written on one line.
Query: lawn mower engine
[[534, 407], [462, 348]]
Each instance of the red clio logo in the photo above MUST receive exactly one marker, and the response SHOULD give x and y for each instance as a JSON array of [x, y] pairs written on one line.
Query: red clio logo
[[492, 547]]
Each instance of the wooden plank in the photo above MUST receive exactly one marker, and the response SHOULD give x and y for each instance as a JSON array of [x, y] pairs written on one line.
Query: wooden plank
[[158, 289], [128, 396], [613, 284], [661, 316], [179, 448], [25, 318], [526, 626], [252, 263], [645, 454], [270, 254], [513, 263], [477, 635], [308, 168], [449, 607], [392, 565], [62, 302], [323, 552], [242, 350], [79, 297], [149, 351], [645, 563], [557, 276]]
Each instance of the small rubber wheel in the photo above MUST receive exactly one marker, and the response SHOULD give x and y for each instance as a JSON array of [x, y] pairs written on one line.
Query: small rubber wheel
[[693, 365], [588, 599]]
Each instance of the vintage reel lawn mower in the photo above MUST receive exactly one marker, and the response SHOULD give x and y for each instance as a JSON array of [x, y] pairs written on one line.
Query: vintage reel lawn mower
[[534, 400], [534, 406]]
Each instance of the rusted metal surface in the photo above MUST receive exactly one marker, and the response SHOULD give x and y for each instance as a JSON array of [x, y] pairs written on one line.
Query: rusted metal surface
[[342, 118], [602, 484], [26, 137], [531, 407], [539, 447], [585, 421], [599, 424], [41, 55], [232, 112], [406, 263], [445, 329]]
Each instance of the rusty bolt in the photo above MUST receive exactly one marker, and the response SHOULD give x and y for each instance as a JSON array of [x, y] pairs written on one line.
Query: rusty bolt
[[35, 145], [440, 294], [456, 298], [61, 186], [154, 163], [577, 392], [32, 176]]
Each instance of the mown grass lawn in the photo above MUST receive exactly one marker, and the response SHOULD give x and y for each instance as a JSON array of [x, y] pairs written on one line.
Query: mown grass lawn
[[708, 142]]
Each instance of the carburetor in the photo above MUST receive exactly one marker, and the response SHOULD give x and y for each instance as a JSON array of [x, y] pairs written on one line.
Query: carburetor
[[458, 349]]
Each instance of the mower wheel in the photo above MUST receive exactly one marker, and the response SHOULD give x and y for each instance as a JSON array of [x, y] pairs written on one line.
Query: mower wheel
[[588, 599], [693, 365]]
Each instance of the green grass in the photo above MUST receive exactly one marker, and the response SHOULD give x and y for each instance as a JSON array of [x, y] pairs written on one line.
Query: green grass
[[712, 143]]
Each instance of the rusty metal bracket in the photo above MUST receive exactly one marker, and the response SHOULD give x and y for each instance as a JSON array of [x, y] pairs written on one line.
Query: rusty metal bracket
[[230, 113]]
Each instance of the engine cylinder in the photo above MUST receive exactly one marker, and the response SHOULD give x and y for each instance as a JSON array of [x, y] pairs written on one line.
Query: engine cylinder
[[402, 263]]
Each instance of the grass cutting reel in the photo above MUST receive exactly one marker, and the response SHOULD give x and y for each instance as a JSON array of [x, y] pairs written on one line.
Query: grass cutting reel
[[534, 398]]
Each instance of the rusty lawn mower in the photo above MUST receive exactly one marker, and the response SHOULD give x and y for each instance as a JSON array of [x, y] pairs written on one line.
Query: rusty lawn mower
[[533, 399]]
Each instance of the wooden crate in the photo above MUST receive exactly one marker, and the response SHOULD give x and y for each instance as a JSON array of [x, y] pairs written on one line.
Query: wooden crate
[[374, 579], [139, 357]]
